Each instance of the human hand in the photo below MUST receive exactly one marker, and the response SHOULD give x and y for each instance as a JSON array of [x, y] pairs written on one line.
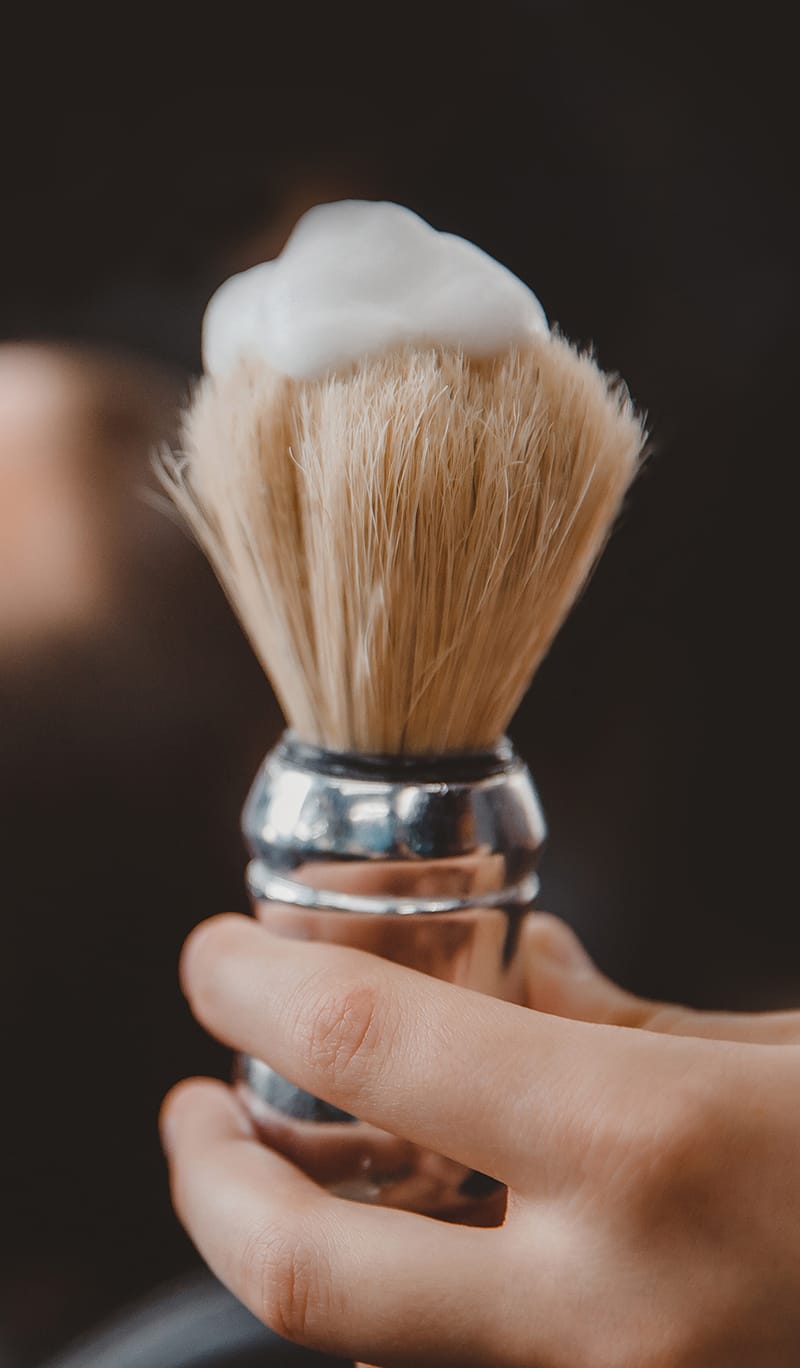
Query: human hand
[[653, 1215]]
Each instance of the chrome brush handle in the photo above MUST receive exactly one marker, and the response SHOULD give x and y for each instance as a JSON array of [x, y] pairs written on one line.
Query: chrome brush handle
[[428, 861]]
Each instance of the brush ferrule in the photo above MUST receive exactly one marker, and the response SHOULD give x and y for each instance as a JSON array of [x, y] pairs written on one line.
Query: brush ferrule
[[393, 835]]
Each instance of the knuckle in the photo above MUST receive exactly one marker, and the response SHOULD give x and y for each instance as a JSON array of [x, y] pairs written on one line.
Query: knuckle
[[287, 1282], [345, 1030]]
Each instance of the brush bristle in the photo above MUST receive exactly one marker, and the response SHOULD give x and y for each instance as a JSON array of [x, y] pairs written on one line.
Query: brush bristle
[[403, 542]]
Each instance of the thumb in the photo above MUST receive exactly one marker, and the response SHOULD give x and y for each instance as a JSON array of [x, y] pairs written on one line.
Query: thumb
[[560, 978]]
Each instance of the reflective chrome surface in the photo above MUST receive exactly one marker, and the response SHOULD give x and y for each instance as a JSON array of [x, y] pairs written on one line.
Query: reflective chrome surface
[[430, 872]]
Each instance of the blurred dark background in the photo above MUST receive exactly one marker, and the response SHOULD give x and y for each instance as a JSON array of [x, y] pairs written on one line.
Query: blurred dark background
[[640, 173]]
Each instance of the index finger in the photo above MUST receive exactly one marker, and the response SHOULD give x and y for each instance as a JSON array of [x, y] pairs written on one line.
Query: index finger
[[489, 1084]]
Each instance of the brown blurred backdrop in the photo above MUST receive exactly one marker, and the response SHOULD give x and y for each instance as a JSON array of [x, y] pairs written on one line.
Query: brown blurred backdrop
[[638, 173]]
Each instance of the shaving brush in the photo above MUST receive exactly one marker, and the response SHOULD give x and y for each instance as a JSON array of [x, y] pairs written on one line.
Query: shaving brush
[[401, 535]]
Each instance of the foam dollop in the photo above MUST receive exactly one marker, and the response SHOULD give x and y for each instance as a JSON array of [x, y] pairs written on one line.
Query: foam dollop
[[358, 279]]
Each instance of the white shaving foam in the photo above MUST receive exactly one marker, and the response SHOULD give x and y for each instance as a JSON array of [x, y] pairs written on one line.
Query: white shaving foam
[[358, 279]]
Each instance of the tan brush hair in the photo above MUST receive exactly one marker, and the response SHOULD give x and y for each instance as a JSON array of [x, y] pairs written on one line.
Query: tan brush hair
[[402, 542]]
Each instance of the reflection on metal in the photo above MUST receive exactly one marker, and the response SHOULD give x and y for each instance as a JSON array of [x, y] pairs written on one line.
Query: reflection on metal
[[428, 863]]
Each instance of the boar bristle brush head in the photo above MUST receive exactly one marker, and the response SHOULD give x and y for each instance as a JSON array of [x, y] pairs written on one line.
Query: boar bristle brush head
[[403, 541]]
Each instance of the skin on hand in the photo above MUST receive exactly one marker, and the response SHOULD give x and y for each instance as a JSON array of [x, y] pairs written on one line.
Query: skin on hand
[[650, 1154]]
